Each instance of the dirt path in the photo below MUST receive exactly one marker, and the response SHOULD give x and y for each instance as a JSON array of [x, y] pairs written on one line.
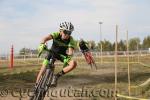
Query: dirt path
[[83, 78]]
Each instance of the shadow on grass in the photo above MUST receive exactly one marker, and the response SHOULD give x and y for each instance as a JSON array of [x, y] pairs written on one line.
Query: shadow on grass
[[85, 79], [27, 79], [24, 79]]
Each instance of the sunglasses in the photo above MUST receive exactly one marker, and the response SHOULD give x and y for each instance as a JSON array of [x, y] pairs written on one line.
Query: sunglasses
[[67, 32]]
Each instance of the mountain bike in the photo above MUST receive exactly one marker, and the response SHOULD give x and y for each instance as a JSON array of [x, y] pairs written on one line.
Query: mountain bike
[[44, 83]]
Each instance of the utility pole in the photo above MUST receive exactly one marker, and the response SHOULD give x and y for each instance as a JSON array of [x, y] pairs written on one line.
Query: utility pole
[[100, 23]]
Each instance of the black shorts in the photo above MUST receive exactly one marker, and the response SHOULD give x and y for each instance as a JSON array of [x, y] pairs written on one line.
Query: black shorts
[[62, 57], [57, 57]]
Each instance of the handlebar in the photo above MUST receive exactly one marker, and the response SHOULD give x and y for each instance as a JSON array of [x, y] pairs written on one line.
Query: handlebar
[[53, 53], [46, 49]]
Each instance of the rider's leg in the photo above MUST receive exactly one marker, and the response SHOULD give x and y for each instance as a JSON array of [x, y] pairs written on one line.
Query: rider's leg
[[71, 65], [40, 73], [90, 57], [87, 58], [45, 63]]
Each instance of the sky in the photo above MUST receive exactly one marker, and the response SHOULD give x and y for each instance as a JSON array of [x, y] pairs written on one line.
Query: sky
[[23, 23]]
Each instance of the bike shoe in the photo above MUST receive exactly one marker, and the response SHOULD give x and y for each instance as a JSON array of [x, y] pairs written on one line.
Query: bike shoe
[[54, 81]]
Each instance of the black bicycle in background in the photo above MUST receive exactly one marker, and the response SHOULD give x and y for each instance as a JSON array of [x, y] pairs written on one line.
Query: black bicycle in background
[[45, 80]]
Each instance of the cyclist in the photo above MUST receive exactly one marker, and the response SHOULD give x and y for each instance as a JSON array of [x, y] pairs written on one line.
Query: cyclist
[[63, 44], [86, 52]]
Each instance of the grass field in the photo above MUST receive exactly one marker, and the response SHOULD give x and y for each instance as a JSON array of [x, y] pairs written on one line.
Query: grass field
[[23, 76]]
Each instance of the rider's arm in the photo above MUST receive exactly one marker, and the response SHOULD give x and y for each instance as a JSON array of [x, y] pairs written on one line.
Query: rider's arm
[[49, 37], [46, 38]]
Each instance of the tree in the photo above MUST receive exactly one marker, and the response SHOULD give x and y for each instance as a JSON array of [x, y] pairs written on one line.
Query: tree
[[106, 45], [146, 42], [113, 46], [134, 43], [24, 51], [92, 45], [122, 45]]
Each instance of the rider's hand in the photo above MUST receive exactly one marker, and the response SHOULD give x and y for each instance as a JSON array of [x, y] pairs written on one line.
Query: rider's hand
[[41, 47]]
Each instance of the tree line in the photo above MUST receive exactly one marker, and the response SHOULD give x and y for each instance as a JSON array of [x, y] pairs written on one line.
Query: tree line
[[133, 43]]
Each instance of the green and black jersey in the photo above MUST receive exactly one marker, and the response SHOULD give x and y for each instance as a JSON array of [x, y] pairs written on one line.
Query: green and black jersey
[[60, 46]]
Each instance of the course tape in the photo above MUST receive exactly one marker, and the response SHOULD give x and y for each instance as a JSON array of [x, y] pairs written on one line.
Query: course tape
[[145, 65], [143, 84], [147, 81]]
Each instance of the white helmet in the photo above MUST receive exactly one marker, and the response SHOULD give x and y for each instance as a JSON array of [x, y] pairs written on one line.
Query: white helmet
[[66, 26]]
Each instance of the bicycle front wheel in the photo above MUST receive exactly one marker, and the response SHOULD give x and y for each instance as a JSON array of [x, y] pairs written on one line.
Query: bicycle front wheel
[[43, 85]]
